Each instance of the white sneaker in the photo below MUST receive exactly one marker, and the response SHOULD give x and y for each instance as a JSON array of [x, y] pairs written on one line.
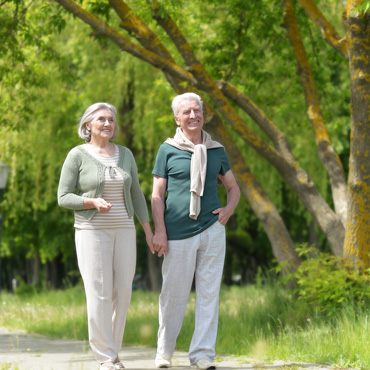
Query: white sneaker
[[204, 364], [162, 363]]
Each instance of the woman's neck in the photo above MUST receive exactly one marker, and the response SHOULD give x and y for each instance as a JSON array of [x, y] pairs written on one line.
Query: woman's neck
[[105, 148]]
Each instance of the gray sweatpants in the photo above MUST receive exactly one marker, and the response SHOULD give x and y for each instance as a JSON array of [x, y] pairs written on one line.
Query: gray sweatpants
[[201, 256]]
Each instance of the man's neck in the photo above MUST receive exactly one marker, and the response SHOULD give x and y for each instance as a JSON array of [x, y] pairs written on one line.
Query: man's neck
[[195, 139]]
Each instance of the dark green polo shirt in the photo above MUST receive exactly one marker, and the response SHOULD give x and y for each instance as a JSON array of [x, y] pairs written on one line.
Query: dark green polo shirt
[[174, 165]]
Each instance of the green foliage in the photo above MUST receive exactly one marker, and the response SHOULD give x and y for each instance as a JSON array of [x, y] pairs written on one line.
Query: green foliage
[[40, 127], [328, 283], [52, 67], [27, 290], [363, 8]]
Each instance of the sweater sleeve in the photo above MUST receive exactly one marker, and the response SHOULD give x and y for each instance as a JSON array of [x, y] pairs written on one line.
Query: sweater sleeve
[[137, 196], [68, 184]]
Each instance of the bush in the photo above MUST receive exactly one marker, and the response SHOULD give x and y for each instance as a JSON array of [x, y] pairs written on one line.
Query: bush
[[329, 283]]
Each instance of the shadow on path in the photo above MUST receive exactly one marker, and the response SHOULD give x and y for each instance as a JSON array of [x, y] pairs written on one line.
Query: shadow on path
[[37, 352]]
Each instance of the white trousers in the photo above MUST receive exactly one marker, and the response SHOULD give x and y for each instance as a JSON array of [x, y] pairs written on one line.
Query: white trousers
[[201, 256], [107, 260]]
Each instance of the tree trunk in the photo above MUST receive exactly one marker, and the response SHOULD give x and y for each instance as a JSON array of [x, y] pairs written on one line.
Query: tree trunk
[[36, 263], [357, 240], [154, 280], [282, 245], [325, 150], [193, 76]]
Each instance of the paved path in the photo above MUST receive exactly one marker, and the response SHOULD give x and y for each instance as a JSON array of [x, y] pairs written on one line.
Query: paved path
[[36, 352]]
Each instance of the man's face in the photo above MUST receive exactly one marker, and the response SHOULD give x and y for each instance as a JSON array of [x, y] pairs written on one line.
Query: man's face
[[190, 118]]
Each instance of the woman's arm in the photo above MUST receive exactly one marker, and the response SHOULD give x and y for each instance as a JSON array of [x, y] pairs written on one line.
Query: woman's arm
[[137, 196], [148, 235], [68, 184]]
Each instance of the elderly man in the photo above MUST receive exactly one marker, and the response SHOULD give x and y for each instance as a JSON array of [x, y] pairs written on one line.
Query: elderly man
[[190, 230]]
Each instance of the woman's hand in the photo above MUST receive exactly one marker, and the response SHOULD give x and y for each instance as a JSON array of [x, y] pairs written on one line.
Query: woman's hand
[[102, 206], [148, 235], [99, 203], [149, 241]]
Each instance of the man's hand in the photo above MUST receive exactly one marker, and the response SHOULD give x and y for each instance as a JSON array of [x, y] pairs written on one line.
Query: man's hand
[[160, 243], [224, 214]]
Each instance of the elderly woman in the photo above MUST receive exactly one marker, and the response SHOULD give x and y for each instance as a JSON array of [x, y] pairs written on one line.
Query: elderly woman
[[99, 181]]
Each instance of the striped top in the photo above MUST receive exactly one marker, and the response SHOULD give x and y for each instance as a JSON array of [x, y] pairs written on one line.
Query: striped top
[[113, 193]]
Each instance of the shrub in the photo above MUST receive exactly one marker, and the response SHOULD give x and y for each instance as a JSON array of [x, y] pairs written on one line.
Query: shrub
[[328, 283]]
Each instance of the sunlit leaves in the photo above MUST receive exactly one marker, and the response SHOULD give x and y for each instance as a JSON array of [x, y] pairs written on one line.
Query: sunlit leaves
[[52, 68], [363, 8]]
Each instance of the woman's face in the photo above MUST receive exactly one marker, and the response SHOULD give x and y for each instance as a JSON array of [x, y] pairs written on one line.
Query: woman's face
[[102, 126]]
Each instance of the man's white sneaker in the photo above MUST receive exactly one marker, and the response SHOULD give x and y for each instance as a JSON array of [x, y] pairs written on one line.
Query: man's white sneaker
[[204, 364], [162, 363]]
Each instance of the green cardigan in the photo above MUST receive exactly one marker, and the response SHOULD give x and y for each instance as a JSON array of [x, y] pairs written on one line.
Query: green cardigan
[[84, 172]]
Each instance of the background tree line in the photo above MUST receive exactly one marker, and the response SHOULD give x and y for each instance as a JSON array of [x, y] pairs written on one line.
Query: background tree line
[[277, 78]]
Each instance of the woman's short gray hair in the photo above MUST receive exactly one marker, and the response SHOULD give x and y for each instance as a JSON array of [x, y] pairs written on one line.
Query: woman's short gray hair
[[186, 96], [90, 114]]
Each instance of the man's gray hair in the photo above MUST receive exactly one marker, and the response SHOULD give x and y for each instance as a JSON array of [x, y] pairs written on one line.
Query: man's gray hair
[[186, 96], [90, 114]]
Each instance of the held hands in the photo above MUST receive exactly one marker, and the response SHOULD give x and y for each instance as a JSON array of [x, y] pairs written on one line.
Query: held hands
[[149, 241], [160, 243], [148, 235]]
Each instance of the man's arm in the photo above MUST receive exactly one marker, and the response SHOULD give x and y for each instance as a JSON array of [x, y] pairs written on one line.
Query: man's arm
[[233, 195], [158, 208]]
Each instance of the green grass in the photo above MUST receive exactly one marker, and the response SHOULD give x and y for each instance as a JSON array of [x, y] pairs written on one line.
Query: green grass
[[265, 324], [6, 366]]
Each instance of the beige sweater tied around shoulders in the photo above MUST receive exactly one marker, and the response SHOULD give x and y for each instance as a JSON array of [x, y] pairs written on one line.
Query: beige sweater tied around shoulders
[[198, 165]]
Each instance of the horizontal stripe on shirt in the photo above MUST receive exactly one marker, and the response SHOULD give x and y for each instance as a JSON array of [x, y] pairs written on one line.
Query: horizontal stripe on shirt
[[113, 193]]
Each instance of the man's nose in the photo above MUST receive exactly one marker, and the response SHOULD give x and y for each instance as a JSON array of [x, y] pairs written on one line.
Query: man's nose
[[192, 114]]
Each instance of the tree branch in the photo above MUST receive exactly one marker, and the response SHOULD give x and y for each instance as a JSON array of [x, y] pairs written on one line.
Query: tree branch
[[327, 31], [125, 44], [325, 150], [138, 29], [277, 137], [282, 244], [207, 84], [289, 170]]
